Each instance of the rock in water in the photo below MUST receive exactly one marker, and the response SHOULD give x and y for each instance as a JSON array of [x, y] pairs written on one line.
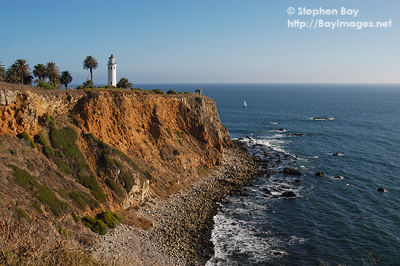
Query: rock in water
[[288, 194], [319, 174], [381, 189], [291, 171], [267, 191]]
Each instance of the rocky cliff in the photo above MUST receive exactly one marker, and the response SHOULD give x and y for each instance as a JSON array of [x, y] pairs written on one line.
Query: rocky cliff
[[65, 154]]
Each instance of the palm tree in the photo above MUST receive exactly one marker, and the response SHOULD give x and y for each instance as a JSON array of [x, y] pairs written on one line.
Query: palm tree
[[90, 63], [21, 69], [2, 72], [52, 72], [65, 79], [12, 76], [124, 83], [39, 71]]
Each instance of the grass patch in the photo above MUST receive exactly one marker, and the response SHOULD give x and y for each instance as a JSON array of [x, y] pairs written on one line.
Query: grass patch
[[48, 198], [47, 150], [24, 136], [71, 161], [21, 214], [90, 182], [43, 193], [23, 178], [79, 200], [110, 218], [115, 187], [37, 207], [108, 150]]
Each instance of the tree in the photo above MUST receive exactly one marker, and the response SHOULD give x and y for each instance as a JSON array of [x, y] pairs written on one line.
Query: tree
[[52, 73], [124, 83], [21, 69], [65, 79], [12, 76], [40, 72], [2, 72], [90, 63]]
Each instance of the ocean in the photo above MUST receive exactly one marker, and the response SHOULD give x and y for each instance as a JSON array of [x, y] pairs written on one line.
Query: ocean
[[339, 218]]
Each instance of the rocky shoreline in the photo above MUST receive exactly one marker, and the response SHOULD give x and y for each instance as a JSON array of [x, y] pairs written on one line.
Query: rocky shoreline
[[181, 223]]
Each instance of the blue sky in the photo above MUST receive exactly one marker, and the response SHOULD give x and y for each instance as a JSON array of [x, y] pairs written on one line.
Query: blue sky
[[234, 41]]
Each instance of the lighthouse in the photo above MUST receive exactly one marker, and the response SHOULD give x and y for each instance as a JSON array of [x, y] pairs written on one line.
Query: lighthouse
[[112, 71]]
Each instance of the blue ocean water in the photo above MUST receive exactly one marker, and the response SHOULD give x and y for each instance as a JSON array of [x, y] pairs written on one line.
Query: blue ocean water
[[332, 220]]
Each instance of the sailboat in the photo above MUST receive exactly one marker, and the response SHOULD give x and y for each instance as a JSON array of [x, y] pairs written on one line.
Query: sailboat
[[244, 104]]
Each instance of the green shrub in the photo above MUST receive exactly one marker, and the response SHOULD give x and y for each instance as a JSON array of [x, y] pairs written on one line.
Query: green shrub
[[136, 89], [95, 225], [127, 180], [110, 218], [48, 198], [115, 187], [21, 214], [171, 92], [46, 86], [23, 178], [86, 85], [27, 138], [155, 91]]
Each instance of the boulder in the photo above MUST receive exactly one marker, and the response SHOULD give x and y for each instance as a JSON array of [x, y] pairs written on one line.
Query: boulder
[[297, 181], [267, 191], [288, 194], [319, 174], [291, 171]]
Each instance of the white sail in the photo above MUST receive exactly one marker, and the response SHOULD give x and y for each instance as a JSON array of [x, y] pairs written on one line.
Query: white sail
[[244, 104]]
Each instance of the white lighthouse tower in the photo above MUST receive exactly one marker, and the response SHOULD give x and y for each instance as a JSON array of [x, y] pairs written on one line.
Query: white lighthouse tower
[[112, 71]]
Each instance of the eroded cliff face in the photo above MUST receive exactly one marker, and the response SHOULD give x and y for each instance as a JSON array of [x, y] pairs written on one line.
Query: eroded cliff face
[[146, 144]]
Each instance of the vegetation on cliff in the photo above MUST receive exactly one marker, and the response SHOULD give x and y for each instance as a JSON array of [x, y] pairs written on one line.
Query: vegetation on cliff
[[80, 153]]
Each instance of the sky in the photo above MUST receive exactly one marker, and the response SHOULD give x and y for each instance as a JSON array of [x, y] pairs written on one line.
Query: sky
[[203, 41]]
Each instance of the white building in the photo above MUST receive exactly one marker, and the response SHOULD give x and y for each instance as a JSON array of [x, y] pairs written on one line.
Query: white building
[[112, 71]]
